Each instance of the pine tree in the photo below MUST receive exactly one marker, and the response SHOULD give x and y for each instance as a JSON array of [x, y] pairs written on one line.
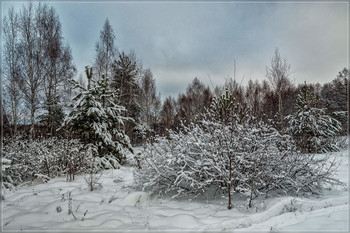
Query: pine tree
[[225, 108], [311, 126], [98, 120]]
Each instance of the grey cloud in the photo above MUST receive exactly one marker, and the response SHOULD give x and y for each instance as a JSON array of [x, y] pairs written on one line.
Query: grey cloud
[[180, 41]]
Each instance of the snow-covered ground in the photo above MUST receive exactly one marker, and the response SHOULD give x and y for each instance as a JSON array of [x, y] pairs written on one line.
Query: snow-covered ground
[[117, 206]]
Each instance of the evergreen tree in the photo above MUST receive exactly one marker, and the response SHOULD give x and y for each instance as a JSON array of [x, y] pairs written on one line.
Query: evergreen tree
[[226, 109], [126, 72], [53, 117], [98, 120], [311, 126], [106, 51], [334, 96]]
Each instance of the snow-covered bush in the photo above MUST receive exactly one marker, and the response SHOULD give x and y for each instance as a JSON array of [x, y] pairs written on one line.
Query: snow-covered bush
[[6, 179], [311, 127], [339, 142], [240, 156], [40, 158]]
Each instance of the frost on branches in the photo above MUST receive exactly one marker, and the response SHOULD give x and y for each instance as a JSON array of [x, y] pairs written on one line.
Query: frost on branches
[[38, 160], [230, 155], [310, 126], [99, 121]]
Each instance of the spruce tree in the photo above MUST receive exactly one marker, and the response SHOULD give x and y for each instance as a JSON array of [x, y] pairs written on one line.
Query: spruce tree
[[311, 126], [98, 120]]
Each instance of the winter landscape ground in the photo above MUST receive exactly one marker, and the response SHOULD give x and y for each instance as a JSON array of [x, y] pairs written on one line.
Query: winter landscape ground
[[118, 206]]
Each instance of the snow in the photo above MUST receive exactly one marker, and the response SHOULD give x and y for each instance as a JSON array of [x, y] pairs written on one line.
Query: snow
[[118, 206]]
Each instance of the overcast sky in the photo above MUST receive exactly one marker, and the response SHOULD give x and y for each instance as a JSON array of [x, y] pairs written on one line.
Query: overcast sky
[[181, 41]]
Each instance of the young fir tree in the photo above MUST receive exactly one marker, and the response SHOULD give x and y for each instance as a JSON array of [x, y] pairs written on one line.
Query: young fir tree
[[98, 120], [311, 126]]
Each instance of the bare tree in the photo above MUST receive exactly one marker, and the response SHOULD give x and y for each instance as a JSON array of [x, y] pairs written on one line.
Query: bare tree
[[150, 101], [36, 61], [168, 113], [58, 68], [31, 58], [11, 64], [278, 75], [194, 102]]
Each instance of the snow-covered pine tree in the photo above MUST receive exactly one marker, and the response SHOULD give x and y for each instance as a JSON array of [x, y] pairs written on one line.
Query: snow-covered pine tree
[[310, 126], [99, 121]]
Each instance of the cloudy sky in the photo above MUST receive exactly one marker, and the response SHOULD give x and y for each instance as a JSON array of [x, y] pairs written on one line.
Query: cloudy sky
[[182, 40]]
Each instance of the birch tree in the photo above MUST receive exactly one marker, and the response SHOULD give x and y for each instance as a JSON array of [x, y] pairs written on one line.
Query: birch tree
[[11, 64], [278, 75], [59, 68], [31, 58]]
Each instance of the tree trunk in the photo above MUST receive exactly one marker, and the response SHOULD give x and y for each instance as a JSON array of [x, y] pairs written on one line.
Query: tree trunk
[[15, 116], [251, 194], [32, 112], [229, 187], [280, 108]]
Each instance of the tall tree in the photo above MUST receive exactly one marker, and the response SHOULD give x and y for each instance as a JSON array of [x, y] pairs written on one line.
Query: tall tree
[[168, 113], [11, 64], [278, 75], [126, 73], [150, 100], [253, 97], [334, 97], [31, 57], [36, 62], [59, 68], [194, 102], [106, 51]]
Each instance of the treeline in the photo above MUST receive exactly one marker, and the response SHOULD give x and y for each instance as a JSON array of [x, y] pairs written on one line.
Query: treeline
[[38, 66], [270, 100]]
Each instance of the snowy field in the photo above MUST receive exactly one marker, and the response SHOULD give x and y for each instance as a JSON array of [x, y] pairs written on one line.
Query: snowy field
[[117, 206]]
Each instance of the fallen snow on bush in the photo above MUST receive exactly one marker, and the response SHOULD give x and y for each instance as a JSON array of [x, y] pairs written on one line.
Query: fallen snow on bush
[[117, 206]]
